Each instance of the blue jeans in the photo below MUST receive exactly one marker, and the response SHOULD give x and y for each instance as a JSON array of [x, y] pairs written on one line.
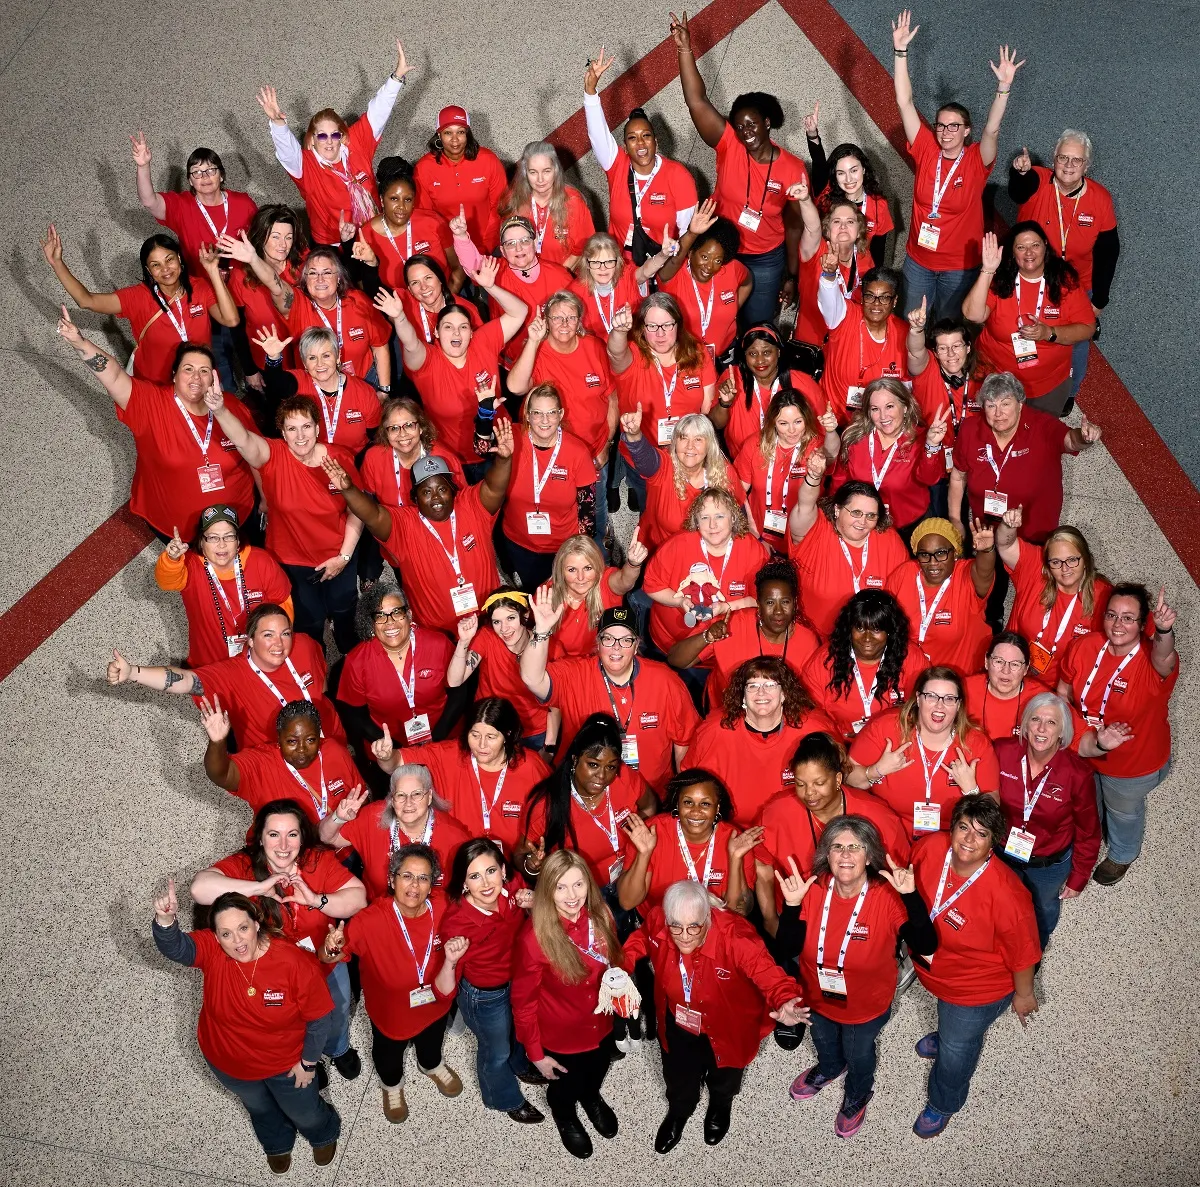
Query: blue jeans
[[767, 271], [1044, 883], [498, 1058], [224, 348], [961, 1030], [278, 1109], [315, 601], [1123, 811], [1079, 360], [338, 983], [850, 1046], [944, 292]]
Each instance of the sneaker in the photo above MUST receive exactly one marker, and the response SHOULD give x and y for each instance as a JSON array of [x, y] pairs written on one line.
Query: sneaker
[[905, 974], [446, 1079], [395, 1107], [927, 1047], [930, 1123], [811, 1082], [851, 1116], [348, 1064], [458, 1026]]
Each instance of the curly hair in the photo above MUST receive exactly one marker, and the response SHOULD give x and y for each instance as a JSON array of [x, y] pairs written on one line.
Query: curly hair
[[796, 701], [868, 610], [781, 570], [765, 105], [371, 602], [786, 397], [846, 492], [691, 521], [1060, 276], [724, 233]]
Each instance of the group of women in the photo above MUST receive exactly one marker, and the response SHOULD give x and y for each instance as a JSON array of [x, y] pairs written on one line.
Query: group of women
[[702, 788]]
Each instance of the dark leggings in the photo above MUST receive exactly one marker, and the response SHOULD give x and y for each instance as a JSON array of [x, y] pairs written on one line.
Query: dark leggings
[[584, 1077], [388, 1054]]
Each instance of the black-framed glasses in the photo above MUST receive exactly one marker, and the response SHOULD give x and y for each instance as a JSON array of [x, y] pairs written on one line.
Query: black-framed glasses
[[1064, 562], [938, 554], [602, 263], [624, 642], [956, 126], [878, 298], [396, 615], [208, 171], [685, 929], [404, 427], [949, 699]]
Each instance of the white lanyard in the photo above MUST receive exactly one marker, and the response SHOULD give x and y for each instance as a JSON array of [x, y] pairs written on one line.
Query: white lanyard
[[1037, 313], [267, 679], [397, 467], [410, 689], [856, 577], [404, 255], [687, 982], [540, 480], [639, 192], [426, 837], [191, 424], [927, 616], [606, 322], [590, 950], [762, 412], [1111, 680], [987, 449], [487, 808], [1031, 802], [867, 702], [786, 478], [321, 315], [322, 397], [1062, 623], [610, 831], [239, 581], [322, 804], [452, 557], [858, 906], [668, 392], [705, 312], [687, 855], [181, 324], [939, 190], [539, 226], [426, 328], [877, 476], [423, 964], [937, 766], [225, 203], [938, 906], [724, 562]]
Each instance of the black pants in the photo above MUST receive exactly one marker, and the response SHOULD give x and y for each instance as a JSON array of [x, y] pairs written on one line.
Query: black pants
[[388, 1054], [687, 1065], [585, 1075], [315, 602], [531, 568]]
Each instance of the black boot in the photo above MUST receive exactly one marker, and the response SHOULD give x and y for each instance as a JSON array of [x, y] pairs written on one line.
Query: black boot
[[573, 1135], [716, 1121], [603, 1119], [669, 1133]]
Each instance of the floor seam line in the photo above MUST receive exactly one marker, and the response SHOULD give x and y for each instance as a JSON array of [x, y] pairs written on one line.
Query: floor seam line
[[36, 25]]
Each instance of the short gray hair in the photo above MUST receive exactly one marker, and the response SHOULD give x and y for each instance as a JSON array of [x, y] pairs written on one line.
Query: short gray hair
[[422, 775], [864, 832], [1045, 700], [1074, 134], [1000, 384], [687, 898], [316, 336]]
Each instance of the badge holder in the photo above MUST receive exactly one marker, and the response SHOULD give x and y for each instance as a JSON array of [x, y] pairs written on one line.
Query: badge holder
[[211, 478], [537, 523], [928, 236], [832, 982], [423, 995], [462, 598], [750, 219], [688, 1019], [417, 729], [629, 749], [775, 521], [666, 429], [927, 818], [1020, 844]]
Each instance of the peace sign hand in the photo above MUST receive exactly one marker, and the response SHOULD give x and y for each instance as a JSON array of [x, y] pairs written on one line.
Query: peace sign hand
[[794, 886], [335, 941], [348, 809], [595, 71], [902, 878], [680, 33], [141, 150], [1007, 70], [936, 433], [829, 263], [214, 719], [166, 906], [1164, 616], [537, 855]]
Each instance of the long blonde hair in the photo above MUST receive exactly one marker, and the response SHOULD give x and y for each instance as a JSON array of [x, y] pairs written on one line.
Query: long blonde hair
[[519, 198], [785, 397], [1087, 587], [552, 938], [716, 473], [579, 546], [861, 426], [911, 709]]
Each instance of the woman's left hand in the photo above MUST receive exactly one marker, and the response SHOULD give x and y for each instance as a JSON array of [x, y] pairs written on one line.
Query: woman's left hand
[[742, 843], [794, 886], [301, 891], [214, 398], [504, 438], [793, 1013], [1113, 734], [402, 66], [963, 772], [210, 257], [983, 535], [1024, 1006], [485, 274], [455, 948], [936, 433], [902, 878], [644, 839], [302, 1075], [336, 474], [810, 122], [1067, 893], [1164, 616], [523, 899], [332, 567], [637, 553], [166, 906], [797, 192], [1007, 70]]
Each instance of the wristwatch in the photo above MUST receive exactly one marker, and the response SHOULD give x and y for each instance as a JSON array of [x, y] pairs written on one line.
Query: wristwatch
[[1053, 336]]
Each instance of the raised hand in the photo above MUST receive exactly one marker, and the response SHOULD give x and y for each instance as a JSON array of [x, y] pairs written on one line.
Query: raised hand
[[347, 228], [209, 257], [402, 66], [1164, 616], [963, 772], [810, 122], [793, 1013], [537, 329], [68, 329], [795, 886], [458, 224], [622, 321], [363, 251], [631, 423], [919, 316], [545, 613], [166, 906], [828, 419], [1007, 70], [993, 253], [236, 247], [337, 476], [175, 546], [141, 150], [829, 263], [983, 535], [335, 939], [382, 748], [485, 392], [214, 719], [214, 398], [523, 898], [703, 217], [644, 839], [455, 948], [680, 33], [349, 808], [537, 855], [903, 30], [269, 102], [1114, 735], [272, 345], [468, 627], [52, 246], [504, 438], [901, 877], [1013, 517], [595, 71], [637, 553], [936, 433], [742, 843], [1021, 162], [891, 761], [798, 192], [1089, 432], [485, 274], [389, 304], [670, 246], [119, 669], [817, 464]]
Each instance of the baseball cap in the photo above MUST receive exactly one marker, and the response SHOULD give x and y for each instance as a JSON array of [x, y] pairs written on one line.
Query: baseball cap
[[449, 116], [429, 466], [218, 513], [617, 616]]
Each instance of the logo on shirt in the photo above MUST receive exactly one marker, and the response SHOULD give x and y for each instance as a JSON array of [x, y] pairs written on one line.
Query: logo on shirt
[[955, 918], [421, 245], [511, 808], [943, 617], [254, 595], [558, 472], [353, 414], [1050, 311], [1085, 220], [1079, 629], [592, 380], [958, 183], [1120, 684], [737, 587], [728, 297], [425, 674], [874, 582], [623, 814], [661, 200], [691, 381], [356, 332], [774, 186], [648, 721], [786, 777], [478, 181], [306, 678], [336, 784], [272, 997], [469, 542], [722, 974], [482, 378], [716, 876], [197, 310], [861, 932]]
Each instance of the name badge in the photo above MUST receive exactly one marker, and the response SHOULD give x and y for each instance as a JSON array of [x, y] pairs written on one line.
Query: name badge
[[1094, 721], [995, 502], [949, 460], [1024, 349], [234, 644], [928, 236], [854, 397], [629, 236], [1039, 657], [666, 429], [775, 521], [832, 982], [537, 523], [616, 869], [927, 818], [347, 368], [423, 995], [857, 726], [462, 598], [688, 1019], [1020, 844], [629, 749], [416, 729], [210, 478], [750, 219]]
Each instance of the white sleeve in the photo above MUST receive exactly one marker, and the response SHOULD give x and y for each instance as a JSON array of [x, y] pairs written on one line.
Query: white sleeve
[[604, 143], [831, 301], [682, 219], [287, 149], [379, 110]]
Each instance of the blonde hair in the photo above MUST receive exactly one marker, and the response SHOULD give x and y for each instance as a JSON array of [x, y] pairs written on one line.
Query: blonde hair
[[786, 397], [860, 241], [543, 391], [911, 709], [599, 243], [579, 546], [691, 521], [716, 473], [1087, 587], [860, 427], [519, 198], [556, 946]]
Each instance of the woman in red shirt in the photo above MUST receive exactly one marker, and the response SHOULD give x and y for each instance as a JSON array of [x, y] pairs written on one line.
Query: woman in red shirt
[[564, 950], [923, 757], [584, 588], [406, 963], [220, 583], [852, 179], [716, 990], [404, 435], [1033, 312], [840, 231], [843, 924], [263, 1046], [869, 665], [605, 279], [1052, 851], [561, 220], [986, 952], [488, 916], [426, 292]]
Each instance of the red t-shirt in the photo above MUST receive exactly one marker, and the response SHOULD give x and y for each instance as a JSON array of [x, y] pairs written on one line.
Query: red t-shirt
[[359, 327], [391, 483], [425, 234], [1050, 364], [492, 935], [1053, 628], [1080, 219], [426, 562], [904, 483], [373, 843], [810, 325], [579, 229], [448, 392], [853, 359], [500, 676], [253, 706], [874, 209], [306, 514], [983, 938], [654, 708], [1002, 719], [264, 775], [642, 383], [584, 384], [827, 579], [352, 424], [667, 864], [598, 311], [254, 1038], [550, 279], [1139, 697], [324, 191], [575, 636], [253, 297], [746, 641], [870, 968], [663, 515], [960, 213], [155, 352], [744, 184], [476, 185], [196, 225], [846, 710], [1030, 468], [425, 322], [934, 395], [905, 790], [957, 635], [788, 468], [167, 491], [661, 197], [746, 420], [715, 302], [370, 678], [564, 468]]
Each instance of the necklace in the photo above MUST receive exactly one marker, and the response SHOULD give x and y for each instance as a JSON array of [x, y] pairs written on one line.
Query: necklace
[[250, 990]]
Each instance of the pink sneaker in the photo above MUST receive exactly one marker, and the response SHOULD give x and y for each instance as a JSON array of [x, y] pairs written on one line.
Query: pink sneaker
[[851, 1116], [806, 1086]]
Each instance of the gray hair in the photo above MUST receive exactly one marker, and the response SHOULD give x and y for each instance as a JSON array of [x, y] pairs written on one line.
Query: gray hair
[[1000, 384], [415, 849], [326, 253], [414, 770], [1045, 700], [687, 898], [1081, 137], [565, 297], [864, 832], [370, 603], [316, 336]]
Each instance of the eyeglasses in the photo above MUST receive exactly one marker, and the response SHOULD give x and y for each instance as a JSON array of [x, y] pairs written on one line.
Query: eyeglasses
[[524, 241], [1008, 665], [878, 298], [624, 642], [949, 699], [762, 685], [562, 319], [856, 514], [852, 848], [954, 127], [208, 171], [551, 414], [409, 797], [659, 327], [1063, 159], [382, 616], [409, 876], [404, 427], [1064, 562], [938, 554], [1123, 619], [231, 539], [327, 274], [602, 263], [324, 136], [685, 929]]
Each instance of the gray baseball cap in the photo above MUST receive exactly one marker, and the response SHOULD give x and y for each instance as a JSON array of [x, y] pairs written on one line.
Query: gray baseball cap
[[429, 466]]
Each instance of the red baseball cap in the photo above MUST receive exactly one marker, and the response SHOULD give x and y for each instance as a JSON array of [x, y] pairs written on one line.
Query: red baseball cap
[[449, 116]]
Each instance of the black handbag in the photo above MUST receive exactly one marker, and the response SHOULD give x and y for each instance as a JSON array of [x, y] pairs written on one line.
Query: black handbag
[[642, 247]]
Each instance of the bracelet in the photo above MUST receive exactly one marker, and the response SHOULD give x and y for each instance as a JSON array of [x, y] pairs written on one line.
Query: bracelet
[[812, 484], [899, 53], [982, 551], [540, 636], [999, 92], [344, 557], [1169, 631], [730, 404], [308, 1067], [1100, 745], [1053, 336], [399, 80], [525, 867], [384, 387]]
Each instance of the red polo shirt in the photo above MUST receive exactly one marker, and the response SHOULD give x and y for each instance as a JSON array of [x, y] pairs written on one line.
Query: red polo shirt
[[476, 185], [487, 963], [370, 678], [904, 484]]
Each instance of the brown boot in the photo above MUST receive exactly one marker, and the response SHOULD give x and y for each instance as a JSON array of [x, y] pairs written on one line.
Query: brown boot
[[280, 1164], [395, 1107], [446, 1079], [1109, 872], [323, 1155]]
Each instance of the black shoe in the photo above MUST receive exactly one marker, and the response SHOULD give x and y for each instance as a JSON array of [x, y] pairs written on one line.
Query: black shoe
[[634, 1027], [631, 499], [527, 1114], [669, 1133], [322, 1076], [574, 1137], [532, 1076], [603, 1119], [614, 499], [787, 1037], [348, 1065], [716, 1121]]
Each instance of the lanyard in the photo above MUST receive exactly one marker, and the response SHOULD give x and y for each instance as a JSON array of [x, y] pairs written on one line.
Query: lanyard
[[939, 190], [1037, 313], [321, 315], [882, 346], [397, 467], [668, 392], [762, 412], [959, 414], [484, 805], [181, 324], [938, 906], [1111, 680], [191, 424], [1064, 229], [323, 396], [787, 637], [539, 226], [705, 312], [877, 476], [849, 286], [766, 182], [404, 255], [426, 837], [987, 449], [422, 965], [687, 982], [426, 328], [858, 906], [639, 192], [225, 203], [1062, 623], [590, 950], [937, 766], [606, 322], [724, 562], [267, 679], [342, 174], [612, 700], [410, 689], [611, 831], [540, 480], [215, 585], [867, 701], [786, 478], [687, 856], [1031, 801], [322, 804], [856, 577], [927, 616], [452, 557]]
